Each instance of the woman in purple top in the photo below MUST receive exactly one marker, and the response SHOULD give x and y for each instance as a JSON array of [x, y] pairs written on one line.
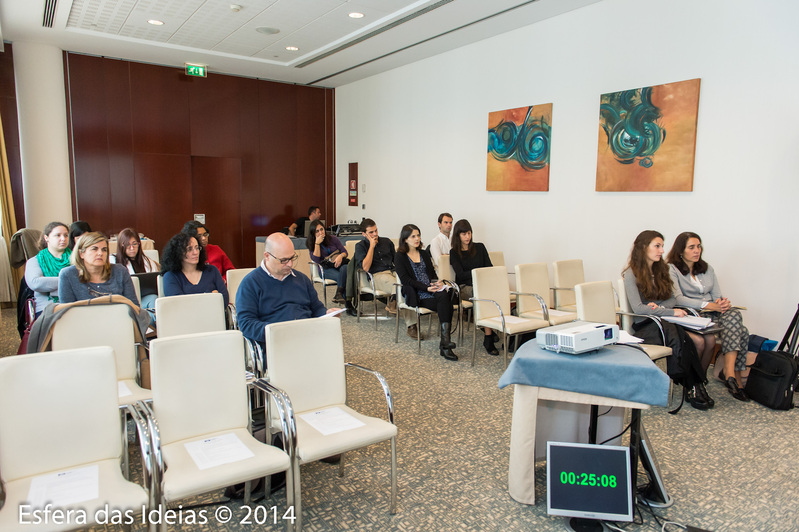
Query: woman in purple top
[[186, 272], [321, 245]]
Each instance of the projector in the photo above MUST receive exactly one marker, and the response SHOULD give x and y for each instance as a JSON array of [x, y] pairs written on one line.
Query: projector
[[577, 337]]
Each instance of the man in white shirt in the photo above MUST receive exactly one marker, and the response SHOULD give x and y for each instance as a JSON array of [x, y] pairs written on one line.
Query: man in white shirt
[[440, 244]]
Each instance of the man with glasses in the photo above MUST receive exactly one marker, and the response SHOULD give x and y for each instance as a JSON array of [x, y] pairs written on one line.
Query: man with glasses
[[275, 292]]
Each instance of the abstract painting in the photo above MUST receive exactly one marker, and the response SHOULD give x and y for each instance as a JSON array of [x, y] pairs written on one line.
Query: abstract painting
[[518, 148], [647, 138]]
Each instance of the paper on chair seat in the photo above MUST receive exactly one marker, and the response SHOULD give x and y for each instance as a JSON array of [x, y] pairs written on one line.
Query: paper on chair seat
[[65, 488], [123, 390], [627, 338], [331, 420], [217, 451], [509, 319]]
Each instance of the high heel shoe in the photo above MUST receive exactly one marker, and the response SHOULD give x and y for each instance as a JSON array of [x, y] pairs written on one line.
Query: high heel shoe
[[735, 390]]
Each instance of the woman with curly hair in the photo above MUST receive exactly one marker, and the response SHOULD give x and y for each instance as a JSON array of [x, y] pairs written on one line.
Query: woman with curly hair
[[651, 292], [322, 246], [186, 270]]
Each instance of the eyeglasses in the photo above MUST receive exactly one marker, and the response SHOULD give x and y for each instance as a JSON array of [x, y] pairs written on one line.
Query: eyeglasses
[[203, 235], [132, 245], [293, 258]]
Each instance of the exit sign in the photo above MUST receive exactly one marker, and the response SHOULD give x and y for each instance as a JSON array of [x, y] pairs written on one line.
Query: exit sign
[[199, 71]]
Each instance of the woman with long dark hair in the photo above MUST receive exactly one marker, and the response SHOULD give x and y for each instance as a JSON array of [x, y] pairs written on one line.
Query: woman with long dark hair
[[328, 251], [465, 256], [130, 254], [41, 271], [420, 285], [697, 287], [650, 291], [186, 269]]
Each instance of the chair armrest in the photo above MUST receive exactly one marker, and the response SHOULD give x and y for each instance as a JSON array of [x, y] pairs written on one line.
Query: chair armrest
[[561, 288], [144, 345], [499, 308], [234, 319], [383, 383], [317, 270], [145, 446], [157, 462], [688, 310], [255, 355], [656, 319], [285, 410], [541, 302]]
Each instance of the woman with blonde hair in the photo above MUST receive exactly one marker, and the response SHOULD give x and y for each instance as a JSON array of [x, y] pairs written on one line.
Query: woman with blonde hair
[[92, 275]]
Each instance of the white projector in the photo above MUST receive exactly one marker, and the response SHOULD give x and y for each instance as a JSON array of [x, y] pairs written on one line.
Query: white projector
[[577, 337]]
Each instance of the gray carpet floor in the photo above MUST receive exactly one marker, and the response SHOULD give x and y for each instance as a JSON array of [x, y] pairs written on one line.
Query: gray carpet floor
[[729, 469]]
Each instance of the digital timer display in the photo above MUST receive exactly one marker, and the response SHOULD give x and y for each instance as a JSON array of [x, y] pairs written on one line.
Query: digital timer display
[[591, 481]]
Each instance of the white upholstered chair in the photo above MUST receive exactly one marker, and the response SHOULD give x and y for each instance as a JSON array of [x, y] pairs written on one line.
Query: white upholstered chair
[[566, 274], [233, 279], [200, 399], [366, 285], [446, 273], [492, 308], [534, 279], [418, 311], [191, 313], [655, 352], [59, 420], [152, 254], [306, 363], [318, 277]]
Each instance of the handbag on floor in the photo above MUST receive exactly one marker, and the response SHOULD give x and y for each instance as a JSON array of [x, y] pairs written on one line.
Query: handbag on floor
[[773, 376]]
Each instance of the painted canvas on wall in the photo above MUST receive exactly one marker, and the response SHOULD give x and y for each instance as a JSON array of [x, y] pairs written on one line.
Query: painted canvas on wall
[[518, 148], [647, 138]]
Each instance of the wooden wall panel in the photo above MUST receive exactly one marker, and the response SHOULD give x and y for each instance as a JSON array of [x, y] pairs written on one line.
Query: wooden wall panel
[[165, 181], [216, 192], [214, 104], [160, 104]]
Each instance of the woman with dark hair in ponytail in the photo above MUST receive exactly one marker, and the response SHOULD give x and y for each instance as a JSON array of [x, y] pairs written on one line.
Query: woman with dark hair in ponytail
[[650, 291]]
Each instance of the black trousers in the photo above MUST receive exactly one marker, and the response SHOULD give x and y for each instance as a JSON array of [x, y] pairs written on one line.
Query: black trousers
[[441, 303], [683, 365]]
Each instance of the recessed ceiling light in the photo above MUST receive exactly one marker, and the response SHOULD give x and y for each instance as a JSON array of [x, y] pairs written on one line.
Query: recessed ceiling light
[[267, 30], [356, 15], [155, 22], [292, 48]]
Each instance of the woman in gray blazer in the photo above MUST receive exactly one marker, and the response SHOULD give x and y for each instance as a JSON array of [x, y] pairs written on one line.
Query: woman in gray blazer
[[696, 287]]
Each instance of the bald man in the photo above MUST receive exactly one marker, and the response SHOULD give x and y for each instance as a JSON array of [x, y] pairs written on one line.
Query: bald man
[[275, 292]]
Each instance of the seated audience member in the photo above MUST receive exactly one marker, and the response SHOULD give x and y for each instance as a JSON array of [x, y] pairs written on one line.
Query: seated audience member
[[322, 246], [76, 230], [92, 275], [275, 292], [440, 245], [465, 256], [375, 254], [215, 256], [130, 254], [696, 286], [186, 271], [298, 227], [651, 292], [420, 286], [41, 270]]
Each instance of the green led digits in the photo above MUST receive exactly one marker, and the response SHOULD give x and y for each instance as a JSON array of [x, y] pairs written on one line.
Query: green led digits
[[588, 479]]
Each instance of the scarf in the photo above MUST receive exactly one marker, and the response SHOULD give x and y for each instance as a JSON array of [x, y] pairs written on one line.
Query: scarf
[[51, 266]]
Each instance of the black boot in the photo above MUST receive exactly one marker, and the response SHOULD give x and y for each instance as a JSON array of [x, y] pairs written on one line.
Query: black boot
[[351, 310], [445, 349], [703, 391], [488, 343], [339, 296], [696, 400]]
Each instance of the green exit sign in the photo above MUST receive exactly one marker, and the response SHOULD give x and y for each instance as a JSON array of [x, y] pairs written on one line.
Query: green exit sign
[[200, 71]]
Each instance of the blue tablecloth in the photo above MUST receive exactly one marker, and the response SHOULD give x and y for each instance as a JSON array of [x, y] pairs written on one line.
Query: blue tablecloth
[[619, 372]]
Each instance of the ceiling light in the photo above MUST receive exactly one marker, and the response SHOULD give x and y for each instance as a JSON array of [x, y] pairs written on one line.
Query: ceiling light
[[266, 30], [155, 22], [356, 15], [292, 48]]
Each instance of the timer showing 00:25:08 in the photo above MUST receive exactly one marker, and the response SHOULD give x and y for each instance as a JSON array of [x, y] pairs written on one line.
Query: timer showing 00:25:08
[[588, 479]]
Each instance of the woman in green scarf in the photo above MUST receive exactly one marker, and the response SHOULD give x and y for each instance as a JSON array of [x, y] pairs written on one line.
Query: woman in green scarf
[[41, 271]]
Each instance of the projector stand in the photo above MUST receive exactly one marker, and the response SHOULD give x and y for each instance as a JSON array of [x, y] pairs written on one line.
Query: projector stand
[[580, 524]]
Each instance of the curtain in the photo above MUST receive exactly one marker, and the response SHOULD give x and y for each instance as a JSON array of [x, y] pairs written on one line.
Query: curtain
[[9, 278]]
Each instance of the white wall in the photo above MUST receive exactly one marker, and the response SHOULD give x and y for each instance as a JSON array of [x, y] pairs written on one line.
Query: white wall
[[419, 135]]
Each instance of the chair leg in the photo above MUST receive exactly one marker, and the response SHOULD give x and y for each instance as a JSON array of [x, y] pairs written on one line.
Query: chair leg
[[247, 492], [393, 507], [125, 456], [324, 293], [474, 343], [358, 306], [505, 348], [396, 333], [418, 334], [297, 495], [374, 298], [341, 465], [289, 496]]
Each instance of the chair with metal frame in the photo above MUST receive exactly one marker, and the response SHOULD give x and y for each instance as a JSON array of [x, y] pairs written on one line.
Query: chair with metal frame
[[318, 277], [492, 308], [418, 311], [307, 368], [80, 440], [566, 274], [366, 285], [626, 315], [534, 279], [200, 402], [446, 273], [233, 279]]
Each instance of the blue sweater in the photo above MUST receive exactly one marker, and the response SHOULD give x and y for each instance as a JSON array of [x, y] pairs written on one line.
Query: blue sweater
[[262, 300], [70, 289], [176, 284]]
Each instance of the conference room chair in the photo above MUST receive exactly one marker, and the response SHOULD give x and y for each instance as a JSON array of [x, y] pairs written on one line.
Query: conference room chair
[[136, 287], [160, 285], [303, 262], [446, 273], [152, 254], [60, 424], [418, 312], [533, 301], [190, 313], [492, 308], [318, 277], [567, 274], [233, 279], [349, 245], [108, 325], [366, 285], [498, 259], [200, 404], [626, 315], [306, 366]]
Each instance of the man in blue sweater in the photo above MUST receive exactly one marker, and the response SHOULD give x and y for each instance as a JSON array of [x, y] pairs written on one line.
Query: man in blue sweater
[[275, 292]]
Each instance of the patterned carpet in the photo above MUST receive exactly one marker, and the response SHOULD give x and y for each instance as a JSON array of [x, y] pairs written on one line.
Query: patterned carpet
[[729, 469]]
